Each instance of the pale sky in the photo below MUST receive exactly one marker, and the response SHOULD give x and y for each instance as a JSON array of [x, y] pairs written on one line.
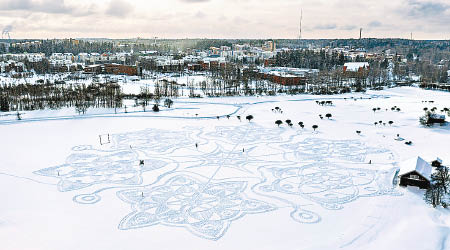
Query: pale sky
[[426, 19]]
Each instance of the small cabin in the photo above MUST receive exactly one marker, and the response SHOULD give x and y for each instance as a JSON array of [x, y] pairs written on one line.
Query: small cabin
[[436, 118], [418, 175]]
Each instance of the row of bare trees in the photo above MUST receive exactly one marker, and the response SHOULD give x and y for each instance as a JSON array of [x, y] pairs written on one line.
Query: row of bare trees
[[16, 97]]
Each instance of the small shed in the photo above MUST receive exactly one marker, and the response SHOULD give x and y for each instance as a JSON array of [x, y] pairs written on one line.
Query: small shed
[[418, 174]]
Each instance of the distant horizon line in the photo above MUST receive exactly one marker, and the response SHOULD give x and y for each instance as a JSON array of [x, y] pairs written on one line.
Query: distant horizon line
[[197, 38]]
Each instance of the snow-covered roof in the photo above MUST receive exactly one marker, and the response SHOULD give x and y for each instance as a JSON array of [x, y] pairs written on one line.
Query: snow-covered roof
[[92, 66], [355, 66], [214, 59], [282, 74], [421, 167], [287, 72]]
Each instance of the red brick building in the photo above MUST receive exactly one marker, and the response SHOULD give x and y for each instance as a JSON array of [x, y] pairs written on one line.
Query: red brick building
[[287, 80], [113, 69], [118, 69]]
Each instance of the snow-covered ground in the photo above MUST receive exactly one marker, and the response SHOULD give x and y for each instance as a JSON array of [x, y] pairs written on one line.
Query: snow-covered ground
[[247, 185]]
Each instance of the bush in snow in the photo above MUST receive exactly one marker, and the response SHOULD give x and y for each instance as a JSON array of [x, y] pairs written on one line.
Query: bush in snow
[[425, 120], [168, 103], [301, 124]]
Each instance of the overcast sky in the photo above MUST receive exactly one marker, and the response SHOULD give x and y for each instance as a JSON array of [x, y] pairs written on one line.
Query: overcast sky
[[426, 19]]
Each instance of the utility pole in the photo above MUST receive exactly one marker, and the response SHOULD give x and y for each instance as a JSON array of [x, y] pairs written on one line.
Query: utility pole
[[360, 33]]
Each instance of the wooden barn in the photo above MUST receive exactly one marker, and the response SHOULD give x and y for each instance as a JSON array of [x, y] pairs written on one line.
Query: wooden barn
[[418, 174]]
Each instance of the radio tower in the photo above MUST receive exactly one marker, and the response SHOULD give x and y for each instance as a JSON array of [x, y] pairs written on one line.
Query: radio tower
[[301, 17]]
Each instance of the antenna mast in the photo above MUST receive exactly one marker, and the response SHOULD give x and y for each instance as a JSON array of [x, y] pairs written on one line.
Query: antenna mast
[[301, 17]]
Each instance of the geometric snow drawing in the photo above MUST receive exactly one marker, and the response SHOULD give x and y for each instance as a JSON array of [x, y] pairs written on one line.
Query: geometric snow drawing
[[84, 169], [118, 163], [245, 134], [154, 140], [205, 209], [221, 158], [320, 149], [326, 184]]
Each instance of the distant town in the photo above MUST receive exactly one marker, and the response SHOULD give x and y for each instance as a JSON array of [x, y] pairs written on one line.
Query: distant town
[[226, 67]]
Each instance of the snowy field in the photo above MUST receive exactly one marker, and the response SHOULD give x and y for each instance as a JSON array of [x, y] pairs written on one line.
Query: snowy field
[[183, 179]]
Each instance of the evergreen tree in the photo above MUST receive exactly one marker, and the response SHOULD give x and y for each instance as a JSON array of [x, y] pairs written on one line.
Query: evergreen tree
[[438, 192]]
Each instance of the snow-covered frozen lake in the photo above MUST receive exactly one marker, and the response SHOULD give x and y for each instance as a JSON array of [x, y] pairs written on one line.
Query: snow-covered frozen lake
[[183, 179]]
